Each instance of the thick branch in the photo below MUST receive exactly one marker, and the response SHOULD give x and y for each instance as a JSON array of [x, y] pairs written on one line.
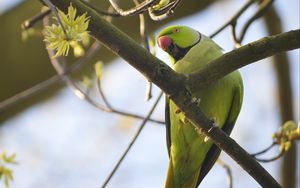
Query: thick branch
[[245, 55], [173, 84]]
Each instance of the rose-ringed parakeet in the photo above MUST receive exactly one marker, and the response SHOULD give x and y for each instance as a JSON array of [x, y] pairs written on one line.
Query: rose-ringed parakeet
[[192, 155]]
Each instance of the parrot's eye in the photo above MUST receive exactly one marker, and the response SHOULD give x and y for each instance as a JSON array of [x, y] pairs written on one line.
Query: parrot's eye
[[175, 30]]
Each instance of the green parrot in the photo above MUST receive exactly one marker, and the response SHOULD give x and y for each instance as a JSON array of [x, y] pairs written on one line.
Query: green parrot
[[192, 155]]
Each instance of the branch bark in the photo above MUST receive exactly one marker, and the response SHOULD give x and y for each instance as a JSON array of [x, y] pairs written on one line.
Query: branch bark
[[245, 55], [176, 85]]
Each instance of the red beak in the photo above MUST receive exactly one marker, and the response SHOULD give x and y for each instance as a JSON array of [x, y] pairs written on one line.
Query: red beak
[[164, 42]]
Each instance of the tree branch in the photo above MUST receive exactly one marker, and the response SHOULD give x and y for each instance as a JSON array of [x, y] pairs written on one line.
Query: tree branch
[[174, 84], [234, 19], [245, 55]]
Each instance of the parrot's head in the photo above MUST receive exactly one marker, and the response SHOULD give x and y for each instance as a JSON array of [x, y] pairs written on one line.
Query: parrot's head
[[177, 40]]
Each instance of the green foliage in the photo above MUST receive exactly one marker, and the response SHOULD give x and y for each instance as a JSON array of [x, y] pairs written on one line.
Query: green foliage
[[26, 33], [152, 43], [288, 133], [86, 82], [75, 33], [98, 69], [6, 174], [161, 4]]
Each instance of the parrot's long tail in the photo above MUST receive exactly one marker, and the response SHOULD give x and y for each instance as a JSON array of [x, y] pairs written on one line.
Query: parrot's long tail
[[171, 183], [170, 177]]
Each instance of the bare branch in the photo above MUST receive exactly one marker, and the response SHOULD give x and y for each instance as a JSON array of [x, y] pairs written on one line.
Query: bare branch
[[263, 7], [29, 92], [102, 94], [32, 21], [110, 13], [165, 12], [111, 109], [280, 154], [243, 56], [136, 10], [132, 141], [228, 172], [156, 15], [177, 86], [54, 11], [144, 34], [84, 96], [79, 92], [29, 23], [234, 19], [49, 82], [264, 150]]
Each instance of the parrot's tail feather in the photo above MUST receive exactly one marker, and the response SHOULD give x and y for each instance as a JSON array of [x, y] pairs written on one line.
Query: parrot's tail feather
[[192, 181], [170, 177], [170, 181]]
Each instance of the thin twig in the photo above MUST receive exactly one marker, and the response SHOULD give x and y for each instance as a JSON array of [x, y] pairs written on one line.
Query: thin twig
[[228, 172], [148, 92], [168, 11], [264, 150], [136, 116], [98, 81], [82, 94], [29, 23], [267, 149], [54, 11], [132, 141], [164, 9], [233, 20], [243, 56], [29, 92], [144, 34], [156, 15], [50, 81], [99, 87], [259, 13], [237, 44], [133, 11], [280, 154], [32, 21], [109, 13]]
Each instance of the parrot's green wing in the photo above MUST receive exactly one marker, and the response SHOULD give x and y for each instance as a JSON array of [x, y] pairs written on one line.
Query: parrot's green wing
[[167, 121], [214, 151]]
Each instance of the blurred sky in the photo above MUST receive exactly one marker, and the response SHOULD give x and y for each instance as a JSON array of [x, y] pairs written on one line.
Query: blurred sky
[[64, 142]]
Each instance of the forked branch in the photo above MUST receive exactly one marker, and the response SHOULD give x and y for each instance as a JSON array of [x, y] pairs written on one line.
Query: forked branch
[[175, 85]]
